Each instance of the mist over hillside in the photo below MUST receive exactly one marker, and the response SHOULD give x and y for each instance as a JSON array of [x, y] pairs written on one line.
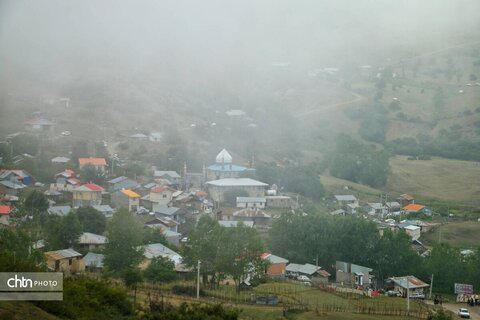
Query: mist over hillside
[[302, 73]]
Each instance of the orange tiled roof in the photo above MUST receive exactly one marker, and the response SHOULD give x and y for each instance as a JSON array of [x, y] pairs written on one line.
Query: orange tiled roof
[[413, 207], [130, 193], [92, 161]]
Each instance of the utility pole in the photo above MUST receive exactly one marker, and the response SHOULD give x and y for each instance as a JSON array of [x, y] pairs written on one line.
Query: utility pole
[[408, 297], [198, 279], [431, 287]]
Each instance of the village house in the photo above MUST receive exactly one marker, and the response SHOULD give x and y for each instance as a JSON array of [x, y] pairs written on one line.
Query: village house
[[105, 209], [170, 178], [172, 236], [5, 215], [393, 206], [316, 274], [375, 209], [352, 208], [173, 213], [257, 216], [67, 260], [90, 241], [253, 188], [59, 210], [164, 223], [416, 208], [67, 176], [251, 202], [100, 164], [20, 177], [120, 183], [234, 223], [10, 188], [224, 168], [155, 250], [346, 199], [88, 194], [405, 199], [414, 285], [93, 262], [159, 196], [126, 198], [349, 274], [284, 202], [276, 265]]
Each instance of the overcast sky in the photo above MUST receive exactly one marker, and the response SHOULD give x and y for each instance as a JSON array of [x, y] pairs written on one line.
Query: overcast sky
[[58, 36]]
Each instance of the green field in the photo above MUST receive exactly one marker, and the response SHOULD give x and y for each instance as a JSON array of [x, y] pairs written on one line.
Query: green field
[[441, 179], [464, 234]]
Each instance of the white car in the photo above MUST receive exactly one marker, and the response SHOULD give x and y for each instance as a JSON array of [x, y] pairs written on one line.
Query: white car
[[463, 313], [303, 278]]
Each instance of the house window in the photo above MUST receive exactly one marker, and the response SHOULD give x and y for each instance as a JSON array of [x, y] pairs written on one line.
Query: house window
[[164, 196]]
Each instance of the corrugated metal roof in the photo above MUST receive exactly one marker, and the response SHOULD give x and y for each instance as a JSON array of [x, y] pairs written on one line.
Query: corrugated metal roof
[[63, 254], [347, 197], [413, 282], [94, 260], [239, 182], [92, 238], [251, 199]]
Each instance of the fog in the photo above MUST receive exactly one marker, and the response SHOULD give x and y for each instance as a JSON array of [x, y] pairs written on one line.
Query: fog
[[225, 54], [58, 38]]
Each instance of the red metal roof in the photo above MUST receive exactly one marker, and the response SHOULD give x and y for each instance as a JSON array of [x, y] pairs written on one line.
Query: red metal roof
[[93, 187], [5, 209], [158, 189]]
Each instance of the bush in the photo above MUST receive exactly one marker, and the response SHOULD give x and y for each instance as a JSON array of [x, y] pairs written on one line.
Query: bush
[[187, 291]]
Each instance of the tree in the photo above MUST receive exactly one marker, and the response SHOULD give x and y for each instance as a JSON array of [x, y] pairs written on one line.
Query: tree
[[35, 205], [358, 162], [203, 245], [91, 174], [63, 232], [446, 264], [394, 256], [91, 220], [124, 235], [160, 270], [238, 252]]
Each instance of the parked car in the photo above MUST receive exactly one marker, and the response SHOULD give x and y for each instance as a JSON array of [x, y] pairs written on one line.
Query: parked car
[[417, 295], [393, 293], [303, 278], [463, 313]]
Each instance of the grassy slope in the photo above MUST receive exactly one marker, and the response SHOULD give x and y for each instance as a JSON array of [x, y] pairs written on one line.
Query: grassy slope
[[449, 180], [20, 310], [464, 234], [446, 179]]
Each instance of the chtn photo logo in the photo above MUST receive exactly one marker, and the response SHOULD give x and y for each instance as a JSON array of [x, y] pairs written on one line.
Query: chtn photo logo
[[17, 282], [31, 286]]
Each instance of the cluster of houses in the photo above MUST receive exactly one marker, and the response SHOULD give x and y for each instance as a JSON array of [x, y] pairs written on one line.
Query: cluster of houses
[[168, 197], [347, 275]]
